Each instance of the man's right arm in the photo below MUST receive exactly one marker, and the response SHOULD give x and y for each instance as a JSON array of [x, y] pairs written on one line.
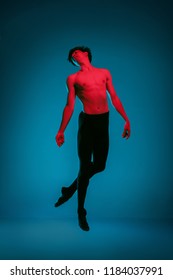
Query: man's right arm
[[68, 110]]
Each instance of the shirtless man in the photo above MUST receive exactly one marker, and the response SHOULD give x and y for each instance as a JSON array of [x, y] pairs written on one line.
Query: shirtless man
[[90, 85]]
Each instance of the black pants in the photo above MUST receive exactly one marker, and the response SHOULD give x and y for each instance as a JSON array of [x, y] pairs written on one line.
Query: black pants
[[93, 145]]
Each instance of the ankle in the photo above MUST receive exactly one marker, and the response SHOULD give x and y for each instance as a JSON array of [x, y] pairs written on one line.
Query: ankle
[[82, 212]]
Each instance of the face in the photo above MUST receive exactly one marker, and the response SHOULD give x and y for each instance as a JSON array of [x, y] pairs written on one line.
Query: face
[[79, 56]]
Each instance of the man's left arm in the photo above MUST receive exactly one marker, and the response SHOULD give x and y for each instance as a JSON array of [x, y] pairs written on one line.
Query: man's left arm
[[117, 104]]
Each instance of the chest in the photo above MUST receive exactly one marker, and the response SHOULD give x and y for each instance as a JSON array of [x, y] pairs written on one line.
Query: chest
[[91, 79]]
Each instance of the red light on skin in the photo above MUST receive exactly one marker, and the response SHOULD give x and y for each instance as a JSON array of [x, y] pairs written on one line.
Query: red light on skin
[[90, 85]]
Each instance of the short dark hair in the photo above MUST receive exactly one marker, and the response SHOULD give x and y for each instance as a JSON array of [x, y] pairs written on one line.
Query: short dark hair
[[81, 48]]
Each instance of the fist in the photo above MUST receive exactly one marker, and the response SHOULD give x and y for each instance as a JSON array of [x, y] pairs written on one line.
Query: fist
[[60, 139], [126, 132]]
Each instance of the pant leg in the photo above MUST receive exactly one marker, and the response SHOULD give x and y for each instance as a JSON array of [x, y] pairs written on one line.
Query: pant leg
[[100, 145], [93, 139], [85, 146]]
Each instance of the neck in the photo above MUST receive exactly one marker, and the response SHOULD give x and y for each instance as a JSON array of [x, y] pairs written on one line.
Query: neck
[[86, 66]]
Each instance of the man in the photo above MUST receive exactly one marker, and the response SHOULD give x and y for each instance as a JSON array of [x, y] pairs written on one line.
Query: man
[[90, 85]]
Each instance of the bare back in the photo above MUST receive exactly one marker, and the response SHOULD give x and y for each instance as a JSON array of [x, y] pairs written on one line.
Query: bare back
[[90, 88]]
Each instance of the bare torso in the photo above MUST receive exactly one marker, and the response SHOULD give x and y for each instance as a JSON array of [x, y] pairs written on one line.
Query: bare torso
[[90, 88]]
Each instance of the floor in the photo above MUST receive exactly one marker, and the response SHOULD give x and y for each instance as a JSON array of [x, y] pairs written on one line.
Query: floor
[[107, 240]]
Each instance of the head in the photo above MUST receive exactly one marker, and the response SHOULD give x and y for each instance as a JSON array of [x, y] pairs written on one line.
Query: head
[[83, 49]]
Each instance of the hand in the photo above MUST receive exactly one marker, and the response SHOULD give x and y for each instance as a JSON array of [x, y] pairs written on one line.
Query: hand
[[126, 132], [60, 138]]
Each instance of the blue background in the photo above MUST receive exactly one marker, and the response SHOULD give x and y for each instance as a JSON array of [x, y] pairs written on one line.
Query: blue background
[[133, 39]]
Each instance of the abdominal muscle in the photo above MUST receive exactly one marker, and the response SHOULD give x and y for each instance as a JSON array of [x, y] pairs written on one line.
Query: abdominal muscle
[[90, 88], [94, 102]]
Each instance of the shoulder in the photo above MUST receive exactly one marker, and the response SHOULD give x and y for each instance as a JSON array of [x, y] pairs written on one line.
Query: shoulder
[[106, 72], [71, 78]]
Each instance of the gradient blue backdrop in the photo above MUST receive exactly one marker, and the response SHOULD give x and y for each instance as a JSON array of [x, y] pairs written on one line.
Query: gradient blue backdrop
[[133, 39]]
